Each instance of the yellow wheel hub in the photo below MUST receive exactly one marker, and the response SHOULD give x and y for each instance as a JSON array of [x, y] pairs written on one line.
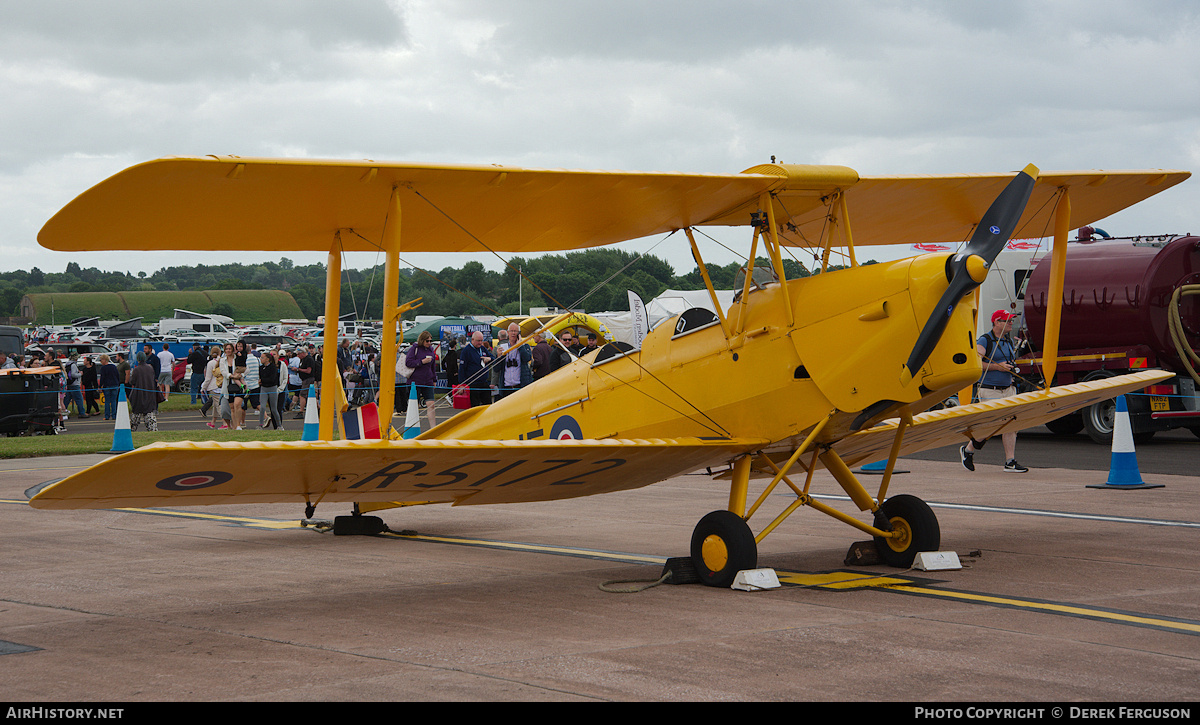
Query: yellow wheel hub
[[901, 536], [715, 553]]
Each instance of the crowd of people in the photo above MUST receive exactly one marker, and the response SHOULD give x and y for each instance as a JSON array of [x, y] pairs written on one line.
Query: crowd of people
[[236, 381], [491, 373], [86, 380]]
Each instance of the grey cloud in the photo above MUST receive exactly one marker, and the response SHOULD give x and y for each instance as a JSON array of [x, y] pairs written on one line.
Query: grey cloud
[[179, 41]]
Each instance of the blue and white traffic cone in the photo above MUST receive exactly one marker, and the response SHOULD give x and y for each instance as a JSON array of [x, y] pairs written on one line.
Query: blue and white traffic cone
[[312, 417], [412, 419], [1123, 470], [122, 434]]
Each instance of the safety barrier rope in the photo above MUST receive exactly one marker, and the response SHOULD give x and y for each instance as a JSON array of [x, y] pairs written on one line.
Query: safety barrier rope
[[374, 389]]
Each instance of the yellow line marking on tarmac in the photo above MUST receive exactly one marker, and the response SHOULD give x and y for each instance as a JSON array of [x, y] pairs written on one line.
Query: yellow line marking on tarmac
[[536, 548], [1054, 608], [245, 520], [832, 580], [260, 523], [838, 579], [851, 580]]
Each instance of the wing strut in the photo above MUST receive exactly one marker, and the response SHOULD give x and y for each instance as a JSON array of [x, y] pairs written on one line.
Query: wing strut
[[712, 293], [391, 311], [777, 260], [1058, 265], [329, 371]]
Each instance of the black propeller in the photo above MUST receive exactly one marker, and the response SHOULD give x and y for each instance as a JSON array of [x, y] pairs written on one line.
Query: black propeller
[[967, 269]]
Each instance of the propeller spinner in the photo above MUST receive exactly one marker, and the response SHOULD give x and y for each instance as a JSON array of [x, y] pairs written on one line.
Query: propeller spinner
[[967, 269]]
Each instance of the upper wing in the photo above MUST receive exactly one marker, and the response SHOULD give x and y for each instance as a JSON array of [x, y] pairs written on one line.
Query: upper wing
[[437, 471], [938, 428], [914, 209], [233, 203]]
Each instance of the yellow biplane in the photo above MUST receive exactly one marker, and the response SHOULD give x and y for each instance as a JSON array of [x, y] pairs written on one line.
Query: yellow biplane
[[825, 372]]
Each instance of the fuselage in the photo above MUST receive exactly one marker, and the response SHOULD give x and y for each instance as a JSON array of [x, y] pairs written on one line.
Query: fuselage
[[757, 374]]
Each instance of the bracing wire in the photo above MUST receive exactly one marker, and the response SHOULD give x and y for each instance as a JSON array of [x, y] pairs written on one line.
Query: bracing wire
[[466, 231], [550, 297]]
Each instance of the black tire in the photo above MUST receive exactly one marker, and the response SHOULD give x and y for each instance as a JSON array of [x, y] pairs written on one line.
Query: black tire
[[1195, 430], [1098, 421], [1099, 418], [920, 526], [722, 545], [1069, 424]]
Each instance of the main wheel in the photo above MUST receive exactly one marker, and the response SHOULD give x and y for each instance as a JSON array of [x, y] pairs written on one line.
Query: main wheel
[[722, 545], [917, 527]]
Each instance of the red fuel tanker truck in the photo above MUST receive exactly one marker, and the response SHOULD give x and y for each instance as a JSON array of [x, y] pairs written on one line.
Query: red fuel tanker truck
[[1128, 303]]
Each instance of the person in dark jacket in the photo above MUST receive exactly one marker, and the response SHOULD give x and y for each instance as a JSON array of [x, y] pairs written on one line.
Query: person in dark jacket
[[143, 395], [450, 363], [197, 359], [561, 355], [153, 361], [541, 356], [110, 385], [268, 380], [421, 359], [89, 375], [471, 370]]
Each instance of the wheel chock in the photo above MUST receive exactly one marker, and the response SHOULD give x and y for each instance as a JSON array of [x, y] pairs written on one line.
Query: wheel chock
[[937, 561], [754, 580], [862, 553], [682, 571], [358, 525]]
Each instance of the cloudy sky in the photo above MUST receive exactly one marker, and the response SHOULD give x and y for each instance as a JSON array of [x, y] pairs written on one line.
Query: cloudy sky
[[89, 88]]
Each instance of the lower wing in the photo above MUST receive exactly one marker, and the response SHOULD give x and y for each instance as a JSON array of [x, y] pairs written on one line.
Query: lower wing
[[938, 428], [413, 471]]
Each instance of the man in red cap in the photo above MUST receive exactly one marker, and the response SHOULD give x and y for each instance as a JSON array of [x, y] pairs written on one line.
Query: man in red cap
[[998, 357]]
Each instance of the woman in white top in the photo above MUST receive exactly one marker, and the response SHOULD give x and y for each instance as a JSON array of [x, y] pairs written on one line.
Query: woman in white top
[[231, 387], [212, 386]]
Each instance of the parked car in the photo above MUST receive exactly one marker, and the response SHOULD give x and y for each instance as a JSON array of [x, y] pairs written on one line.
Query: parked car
[[84, 349], [266, 340]]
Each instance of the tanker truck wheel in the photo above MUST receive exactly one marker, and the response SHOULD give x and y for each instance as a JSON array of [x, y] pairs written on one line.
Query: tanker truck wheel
[[1067, 425], [1098, 419]]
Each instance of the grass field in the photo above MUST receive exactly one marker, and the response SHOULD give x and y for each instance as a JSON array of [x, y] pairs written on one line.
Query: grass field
[[248, 305], [60, 308], [154, 306], [69, 445], [257, 304], [75, 444]]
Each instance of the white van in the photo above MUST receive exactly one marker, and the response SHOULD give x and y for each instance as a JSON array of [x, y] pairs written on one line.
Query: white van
[[205, 326]]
